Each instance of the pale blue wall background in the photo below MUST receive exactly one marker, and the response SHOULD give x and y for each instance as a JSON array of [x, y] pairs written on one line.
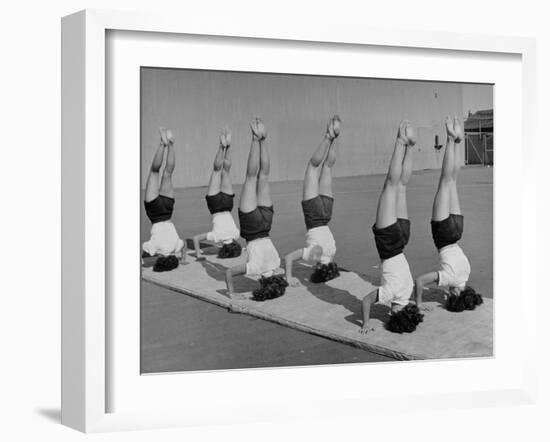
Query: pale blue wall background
[[196, 104]]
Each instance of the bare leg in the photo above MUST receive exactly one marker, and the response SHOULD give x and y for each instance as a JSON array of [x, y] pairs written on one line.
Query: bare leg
[[214, 185], [318, 178], [262, 189], [248, 200], [455, 204], [166, 187], [152, 184], [313, 169], [386, 213], [227, 185], [325, 182], [406, 173], [442, 201]]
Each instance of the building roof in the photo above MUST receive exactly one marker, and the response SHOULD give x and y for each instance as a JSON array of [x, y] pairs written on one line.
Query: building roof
[[480, 121]]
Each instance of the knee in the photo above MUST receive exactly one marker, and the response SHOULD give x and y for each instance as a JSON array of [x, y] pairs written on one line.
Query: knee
[[390, 184], [263, 176], [315, 162], [226, 165], [251, 173], [168, 174], [447, 181]]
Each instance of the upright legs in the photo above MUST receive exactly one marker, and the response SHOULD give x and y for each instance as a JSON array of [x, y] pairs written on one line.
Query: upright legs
[[393, 202], [152, 188], [256, 186], [262, 185], [318, 176], [220, 179], [166, 187], [446, 198]]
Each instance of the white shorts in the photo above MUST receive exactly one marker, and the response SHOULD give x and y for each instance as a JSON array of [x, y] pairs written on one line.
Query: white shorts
[[164, 240], [263, 257], [224, 229], [396, 281], [455, 267], [320, 236]]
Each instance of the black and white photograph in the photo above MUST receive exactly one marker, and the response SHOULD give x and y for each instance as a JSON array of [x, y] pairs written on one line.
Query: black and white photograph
[[295, 220]]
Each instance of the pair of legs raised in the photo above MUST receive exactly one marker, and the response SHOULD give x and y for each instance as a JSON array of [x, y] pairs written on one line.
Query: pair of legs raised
[[255, 190], [220, 179], [154, 185], [446, 198], [392, 203], [318, 175]]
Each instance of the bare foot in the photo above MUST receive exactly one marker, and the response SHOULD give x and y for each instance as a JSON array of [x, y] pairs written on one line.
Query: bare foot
[[333, 127], [163, 136], [258, 129], [170, 136], [406, 134], [225, 138], [459, 133], [449, 126]]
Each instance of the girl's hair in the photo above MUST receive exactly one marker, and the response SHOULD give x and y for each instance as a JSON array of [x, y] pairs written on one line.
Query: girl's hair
[[231, 250], [405, 320], [467, 300], [165, 263], [270, 288], [324, 272]]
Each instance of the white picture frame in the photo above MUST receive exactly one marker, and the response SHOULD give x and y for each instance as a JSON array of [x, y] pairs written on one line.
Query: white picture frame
[[85, 310]]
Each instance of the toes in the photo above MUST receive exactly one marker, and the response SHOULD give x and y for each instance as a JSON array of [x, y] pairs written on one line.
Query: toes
[[163, 137]]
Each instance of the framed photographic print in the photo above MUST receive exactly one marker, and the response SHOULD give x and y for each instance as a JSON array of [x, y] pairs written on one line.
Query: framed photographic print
[[281, 222]]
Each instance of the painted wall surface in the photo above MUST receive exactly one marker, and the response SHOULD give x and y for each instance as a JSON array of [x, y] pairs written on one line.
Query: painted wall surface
[[197, 104]]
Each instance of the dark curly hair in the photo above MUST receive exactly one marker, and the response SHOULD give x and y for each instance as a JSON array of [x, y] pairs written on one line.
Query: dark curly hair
[[467, 300], [165, 263], [231, 250], [324, 272], [405, 320], [270, 288]]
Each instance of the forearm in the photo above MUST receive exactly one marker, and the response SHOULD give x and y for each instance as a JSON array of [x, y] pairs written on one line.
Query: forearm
[[231, 273], [229, 281], [366, 305], [183, 257], [197, 244], [421, 283], [419, 289], [289, 261]]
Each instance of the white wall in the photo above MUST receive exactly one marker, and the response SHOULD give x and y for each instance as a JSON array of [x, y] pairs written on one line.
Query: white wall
[[196, 104]]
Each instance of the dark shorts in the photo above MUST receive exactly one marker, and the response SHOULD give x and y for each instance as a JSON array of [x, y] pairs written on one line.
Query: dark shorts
[[256, 224], [391, 240], [160, 209], [221, 202], [317, 211], [447, 231]]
